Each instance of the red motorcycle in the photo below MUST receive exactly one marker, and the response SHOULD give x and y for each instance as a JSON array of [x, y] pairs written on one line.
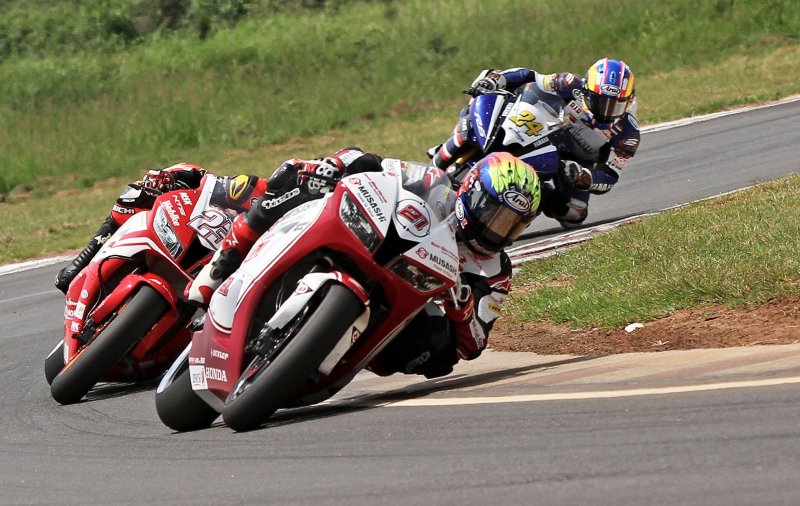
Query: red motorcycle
[[124, 318], [316, 299]]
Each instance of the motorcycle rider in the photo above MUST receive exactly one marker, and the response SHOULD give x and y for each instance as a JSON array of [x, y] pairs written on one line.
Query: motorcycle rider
[[600, 137], [236, 193], [494, 204]]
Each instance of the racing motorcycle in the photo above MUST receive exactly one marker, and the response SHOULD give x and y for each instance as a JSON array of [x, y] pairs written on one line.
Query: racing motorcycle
[[124, 316], [522, 123], [316, 299]]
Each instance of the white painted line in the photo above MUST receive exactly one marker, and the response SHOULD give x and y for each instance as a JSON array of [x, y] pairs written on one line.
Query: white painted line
[[32, 264], [605, 394]]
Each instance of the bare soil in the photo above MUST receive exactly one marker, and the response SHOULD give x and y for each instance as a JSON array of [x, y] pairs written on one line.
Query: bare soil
[[775, 322]]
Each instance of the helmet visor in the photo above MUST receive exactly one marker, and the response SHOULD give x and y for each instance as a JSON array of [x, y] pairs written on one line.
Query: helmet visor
[[497, 225], [606, 109]]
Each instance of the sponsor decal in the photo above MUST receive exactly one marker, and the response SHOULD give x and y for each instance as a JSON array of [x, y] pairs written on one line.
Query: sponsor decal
[[173, 216], [179, 204], [422, 253], [377, 190], [516, 201], [269, 204], [122, 210], [302, 288], [197, 360], [443, 263], [459, 210], [413, 218], [79, 309], [610, 89], [75, 327], [219, 354], [237, 187], [373, 205], [356, 181], [216, 374], [445, 250], [186, 198], [197, 374], [634, 122], [84, 294]]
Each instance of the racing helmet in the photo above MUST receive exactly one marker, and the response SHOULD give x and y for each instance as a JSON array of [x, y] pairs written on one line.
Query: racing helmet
[[609, 87], [496, 201]]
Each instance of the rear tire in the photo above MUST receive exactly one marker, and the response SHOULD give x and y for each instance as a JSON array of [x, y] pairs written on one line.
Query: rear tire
[[54, 363], [134, 322], [274, 386], [180, 409]]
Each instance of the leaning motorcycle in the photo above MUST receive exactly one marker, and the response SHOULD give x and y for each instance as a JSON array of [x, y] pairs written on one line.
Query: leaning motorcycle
[[522, 123], [124, 317], [316, 299]]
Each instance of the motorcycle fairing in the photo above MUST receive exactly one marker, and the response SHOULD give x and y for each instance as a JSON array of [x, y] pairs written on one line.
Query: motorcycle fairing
[[376, 194], [217, 352], [484, 111]]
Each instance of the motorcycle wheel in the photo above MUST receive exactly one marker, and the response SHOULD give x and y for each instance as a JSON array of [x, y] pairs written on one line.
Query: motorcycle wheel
[[180, 409], [130, 325], [54, 362], [273, 386]]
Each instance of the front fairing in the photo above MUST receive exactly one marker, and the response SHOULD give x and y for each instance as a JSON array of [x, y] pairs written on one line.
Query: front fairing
[[484, 111]]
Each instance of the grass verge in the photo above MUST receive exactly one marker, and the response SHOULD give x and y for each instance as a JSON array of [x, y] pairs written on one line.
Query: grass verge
[[735, 250]]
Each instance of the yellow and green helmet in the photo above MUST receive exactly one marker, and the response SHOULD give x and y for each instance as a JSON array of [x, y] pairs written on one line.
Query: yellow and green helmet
[[496, 201]]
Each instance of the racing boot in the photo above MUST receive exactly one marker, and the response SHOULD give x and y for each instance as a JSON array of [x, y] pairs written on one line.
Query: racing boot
[[225, 261], [68, 273]]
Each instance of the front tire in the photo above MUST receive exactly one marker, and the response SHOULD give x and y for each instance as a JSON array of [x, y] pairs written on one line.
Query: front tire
[[276, 383], [133, 322], [180, 409]]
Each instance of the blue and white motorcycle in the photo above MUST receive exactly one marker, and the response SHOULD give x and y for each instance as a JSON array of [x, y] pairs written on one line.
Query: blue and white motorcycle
[[522, 123]]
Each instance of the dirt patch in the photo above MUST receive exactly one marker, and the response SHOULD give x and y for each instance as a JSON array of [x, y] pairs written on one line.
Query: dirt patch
[[775, 322]]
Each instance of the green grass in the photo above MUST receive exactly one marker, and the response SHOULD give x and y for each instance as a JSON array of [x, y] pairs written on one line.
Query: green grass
[[731, 250], [93, 114]]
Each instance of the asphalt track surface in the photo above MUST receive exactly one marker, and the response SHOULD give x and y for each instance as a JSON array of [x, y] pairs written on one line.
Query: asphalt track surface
[[718, 427]]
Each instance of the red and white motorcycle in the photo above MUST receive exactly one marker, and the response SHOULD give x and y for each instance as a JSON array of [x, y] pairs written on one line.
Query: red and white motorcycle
[[125, 318], [317, 298]]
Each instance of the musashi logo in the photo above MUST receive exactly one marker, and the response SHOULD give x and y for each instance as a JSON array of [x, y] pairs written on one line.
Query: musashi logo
[[370, 200]]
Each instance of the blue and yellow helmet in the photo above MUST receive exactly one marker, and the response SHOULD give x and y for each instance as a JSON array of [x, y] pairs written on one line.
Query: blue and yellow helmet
[[609, 89], [496, 201]]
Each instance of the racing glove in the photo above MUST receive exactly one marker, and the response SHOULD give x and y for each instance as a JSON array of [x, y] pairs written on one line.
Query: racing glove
[[160, 180], [573, 174], [487, 81]]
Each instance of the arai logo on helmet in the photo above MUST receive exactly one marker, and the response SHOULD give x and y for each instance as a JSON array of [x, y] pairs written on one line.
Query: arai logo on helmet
[[516, 201], [610, 89], [459, 210]]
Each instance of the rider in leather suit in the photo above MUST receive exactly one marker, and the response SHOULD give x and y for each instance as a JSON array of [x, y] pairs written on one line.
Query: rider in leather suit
[[439, 335], [236, 193], [598, 142]]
